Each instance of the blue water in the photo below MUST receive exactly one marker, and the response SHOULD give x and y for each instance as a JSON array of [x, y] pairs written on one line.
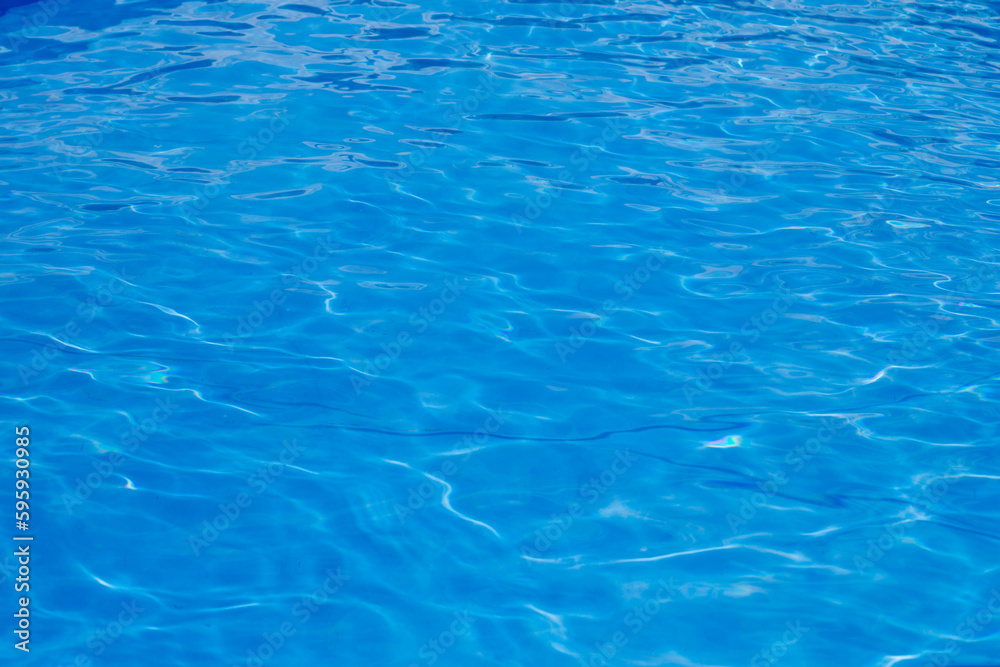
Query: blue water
[[503, 333]]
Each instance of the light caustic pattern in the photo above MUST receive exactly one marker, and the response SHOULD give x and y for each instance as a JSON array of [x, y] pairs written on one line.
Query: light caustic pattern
[[504, 333]]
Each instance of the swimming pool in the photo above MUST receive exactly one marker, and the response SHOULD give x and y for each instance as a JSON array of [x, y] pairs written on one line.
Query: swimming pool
[[508, 333]]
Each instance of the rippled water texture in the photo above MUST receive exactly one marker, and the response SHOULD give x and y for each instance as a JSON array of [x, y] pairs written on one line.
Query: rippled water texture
[[485, 333]]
